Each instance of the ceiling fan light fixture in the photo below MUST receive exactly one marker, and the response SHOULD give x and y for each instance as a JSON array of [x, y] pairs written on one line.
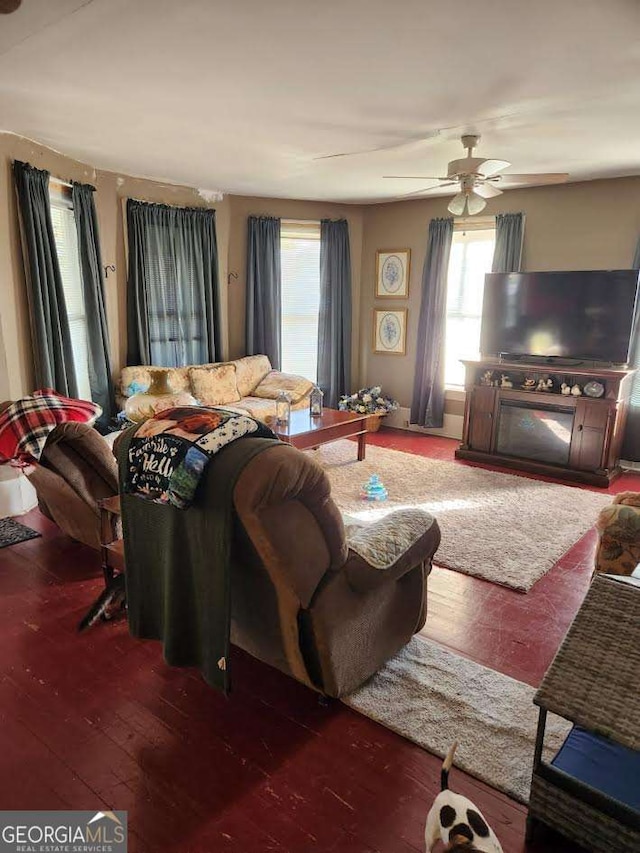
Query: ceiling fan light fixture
[[468, 201], [475, 203], [457, 204]]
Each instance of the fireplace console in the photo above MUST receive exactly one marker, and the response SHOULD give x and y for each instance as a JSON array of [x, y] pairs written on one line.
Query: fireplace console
[[545, 432]]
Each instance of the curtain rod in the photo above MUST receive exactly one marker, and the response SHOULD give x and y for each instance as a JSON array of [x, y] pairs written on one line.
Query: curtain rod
[[60, 181]]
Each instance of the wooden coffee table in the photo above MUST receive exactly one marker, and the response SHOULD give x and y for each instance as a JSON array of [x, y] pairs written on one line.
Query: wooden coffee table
[[305, 432]]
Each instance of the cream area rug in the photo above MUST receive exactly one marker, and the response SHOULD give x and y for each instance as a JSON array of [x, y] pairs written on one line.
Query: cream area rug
[[507, 529], [432, 697]]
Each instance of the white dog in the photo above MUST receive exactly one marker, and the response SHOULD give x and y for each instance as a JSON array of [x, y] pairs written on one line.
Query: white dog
[[456, 821]]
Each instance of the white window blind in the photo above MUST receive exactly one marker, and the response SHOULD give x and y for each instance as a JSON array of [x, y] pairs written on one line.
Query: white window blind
[[471, 257], [300, 267], [64, 230]]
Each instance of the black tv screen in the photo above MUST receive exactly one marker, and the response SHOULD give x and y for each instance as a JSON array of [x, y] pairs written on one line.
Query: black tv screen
[[576, 315]]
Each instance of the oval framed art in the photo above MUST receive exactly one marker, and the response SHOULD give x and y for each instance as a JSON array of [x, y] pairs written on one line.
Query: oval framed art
[[390, 331], [392, 273]]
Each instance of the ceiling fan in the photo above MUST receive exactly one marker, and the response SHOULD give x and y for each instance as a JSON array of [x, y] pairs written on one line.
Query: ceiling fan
[[478, 179]]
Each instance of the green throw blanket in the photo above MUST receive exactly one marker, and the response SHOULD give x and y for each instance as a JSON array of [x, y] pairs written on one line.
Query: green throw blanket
[[178, 563]]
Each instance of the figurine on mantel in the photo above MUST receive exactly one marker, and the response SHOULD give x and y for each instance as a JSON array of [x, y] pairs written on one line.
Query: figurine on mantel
[[529, 384], [576, 390], [487, 378], [544, 385], [505, 382], [565, 389]]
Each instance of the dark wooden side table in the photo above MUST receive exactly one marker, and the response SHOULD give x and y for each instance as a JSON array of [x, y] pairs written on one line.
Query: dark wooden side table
[[111, 543]]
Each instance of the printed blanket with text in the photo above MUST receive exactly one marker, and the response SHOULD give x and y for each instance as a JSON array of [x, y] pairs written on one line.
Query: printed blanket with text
[[168, 453]]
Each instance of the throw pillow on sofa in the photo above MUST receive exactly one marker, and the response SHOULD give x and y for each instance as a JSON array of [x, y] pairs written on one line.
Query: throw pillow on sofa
[[250, 371], [296, 387], [214, 386]]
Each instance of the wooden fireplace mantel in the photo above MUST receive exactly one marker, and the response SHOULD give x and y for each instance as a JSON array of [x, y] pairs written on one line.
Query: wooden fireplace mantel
[[597, 423]]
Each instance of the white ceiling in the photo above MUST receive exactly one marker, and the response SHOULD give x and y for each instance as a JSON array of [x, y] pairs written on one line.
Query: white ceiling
[[241, 95]]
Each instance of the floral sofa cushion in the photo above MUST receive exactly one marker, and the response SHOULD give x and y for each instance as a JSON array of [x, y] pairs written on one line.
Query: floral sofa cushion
[[250, 371], [618, 550], [263, 409], [214, 386], [296, 387]]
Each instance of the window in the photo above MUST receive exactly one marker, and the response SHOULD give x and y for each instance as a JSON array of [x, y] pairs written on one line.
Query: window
[[300, 263], [64, 231], [471, 256]]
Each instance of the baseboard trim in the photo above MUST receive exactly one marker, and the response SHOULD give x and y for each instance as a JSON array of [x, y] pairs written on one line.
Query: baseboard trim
[[400, 419]]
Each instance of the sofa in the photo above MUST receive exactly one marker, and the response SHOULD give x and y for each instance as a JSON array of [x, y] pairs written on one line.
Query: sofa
[[248, 385]]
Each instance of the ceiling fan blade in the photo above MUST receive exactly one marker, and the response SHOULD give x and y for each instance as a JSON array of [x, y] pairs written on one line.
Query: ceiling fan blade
[[491, 167], [487, 190], [426, 189], [541, 178], [417, 177], [411, 141]]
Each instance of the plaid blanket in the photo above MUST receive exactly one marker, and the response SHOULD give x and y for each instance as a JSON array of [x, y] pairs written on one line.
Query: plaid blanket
[[169, 452], [25, 425]]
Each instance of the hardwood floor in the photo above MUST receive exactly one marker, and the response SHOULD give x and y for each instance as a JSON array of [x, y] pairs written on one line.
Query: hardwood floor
[[99, 721]]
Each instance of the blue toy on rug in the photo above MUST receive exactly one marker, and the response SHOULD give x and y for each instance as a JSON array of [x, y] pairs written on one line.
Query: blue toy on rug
[[374, 490]]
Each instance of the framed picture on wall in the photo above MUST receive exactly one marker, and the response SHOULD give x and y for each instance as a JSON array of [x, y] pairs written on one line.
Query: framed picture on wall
[[392, 273], [390, 331]]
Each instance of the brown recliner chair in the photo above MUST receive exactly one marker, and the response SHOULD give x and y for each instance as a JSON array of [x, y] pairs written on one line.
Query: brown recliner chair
[[76, 470], [306, 602]]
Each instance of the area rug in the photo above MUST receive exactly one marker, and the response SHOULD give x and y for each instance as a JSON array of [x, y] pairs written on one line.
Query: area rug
[[433, 697], [506, 529], [12, 532]]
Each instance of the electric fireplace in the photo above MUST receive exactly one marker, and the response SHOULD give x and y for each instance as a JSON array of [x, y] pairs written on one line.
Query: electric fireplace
[[535, 431]]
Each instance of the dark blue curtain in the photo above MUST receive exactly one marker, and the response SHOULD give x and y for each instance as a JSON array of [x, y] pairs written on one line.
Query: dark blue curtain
[[264, 285], [173, 290], [507, 255], [334, 326], [50, 335], [91, 270], [427, 405]]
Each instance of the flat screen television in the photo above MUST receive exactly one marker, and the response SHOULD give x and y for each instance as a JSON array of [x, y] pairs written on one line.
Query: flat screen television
[[585, 315]]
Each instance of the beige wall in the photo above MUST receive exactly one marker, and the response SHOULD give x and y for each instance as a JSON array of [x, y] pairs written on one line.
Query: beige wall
[[590, 225], [241, 208]]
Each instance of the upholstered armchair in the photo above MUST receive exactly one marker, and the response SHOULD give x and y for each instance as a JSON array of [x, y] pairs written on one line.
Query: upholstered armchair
[[76, 470], [324, 605], [618, 525]]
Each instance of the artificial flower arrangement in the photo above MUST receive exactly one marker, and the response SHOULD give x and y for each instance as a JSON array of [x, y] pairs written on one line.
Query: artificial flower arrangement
[[368, 401]]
